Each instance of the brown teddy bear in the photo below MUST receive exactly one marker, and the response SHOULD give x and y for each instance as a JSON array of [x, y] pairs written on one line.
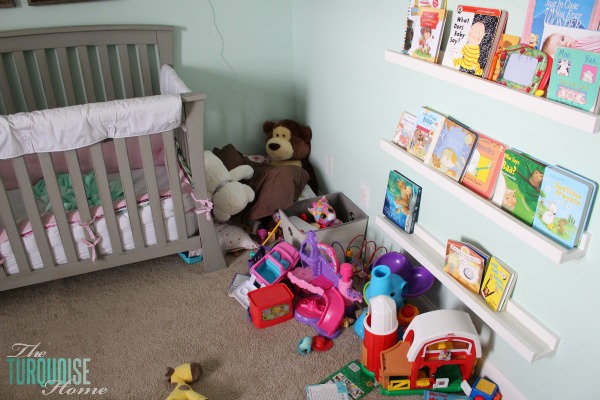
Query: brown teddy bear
[[288, 143]]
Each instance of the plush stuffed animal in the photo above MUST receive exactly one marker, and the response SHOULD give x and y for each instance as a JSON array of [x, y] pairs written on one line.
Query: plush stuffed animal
[[323, 213], [229, 196], [180, 377], [288, 143]]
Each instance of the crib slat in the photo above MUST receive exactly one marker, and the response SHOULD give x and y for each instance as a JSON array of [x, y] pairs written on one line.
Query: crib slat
[[109, 88], [7, 97], [128, 189], [105, 196], [174, 184], [67, 80], [32, 211], [125, 70], [78, 188], [12, 232], [152, 187], [25, 81], [86, 72], [44, 69], [145, 70], [58, 208]]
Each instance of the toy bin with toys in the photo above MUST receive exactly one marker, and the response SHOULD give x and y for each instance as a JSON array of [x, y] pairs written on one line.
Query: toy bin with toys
[[352, 222]]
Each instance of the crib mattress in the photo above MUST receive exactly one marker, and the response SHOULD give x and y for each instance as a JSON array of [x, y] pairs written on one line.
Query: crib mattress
[[99, 225]]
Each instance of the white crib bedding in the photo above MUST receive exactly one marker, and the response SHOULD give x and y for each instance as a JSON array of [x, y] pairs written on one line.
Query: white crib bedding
[[99, 225]]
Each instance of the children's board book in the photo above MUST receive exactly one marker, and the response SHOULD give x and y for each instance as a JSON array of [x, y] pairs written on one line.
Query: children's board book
[[578, 14], [498, 283], [562, 213], [474, 36], [464, 264], [563, 36], [327, 391], [506, 41], [429, 124], [358, 384], [411, 33], [519, 184], [484, 166], [452, 149], [574, 79], [428, 34], [405, 129], [402, 200]]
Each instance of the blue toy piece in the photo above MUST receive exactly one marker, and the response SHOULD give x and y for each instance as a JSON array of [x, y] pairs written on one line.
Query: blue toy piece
[[305, 345], [382, 282]]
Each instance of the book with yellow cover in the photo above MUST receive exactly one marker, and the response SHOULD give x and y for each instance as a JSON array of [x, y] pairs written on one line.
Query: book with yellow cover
[[498, 283]]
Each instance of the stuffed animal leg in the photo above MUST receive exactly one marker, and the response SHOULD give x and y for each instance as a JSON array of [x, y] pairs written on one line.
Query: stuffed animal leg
[[180, 377]]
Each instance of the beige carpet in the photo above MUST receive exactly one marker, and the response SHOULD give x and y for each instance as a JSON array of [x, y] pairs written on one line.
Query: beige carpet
[[134, 321]]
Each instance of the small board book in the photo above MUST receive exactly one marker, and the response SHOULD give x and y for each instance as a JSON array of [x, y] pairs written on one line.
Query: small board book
[[405, 129], [579, 14], [452, 149], [402, 200], [428, 33], [474, 36], [563, 36], [506, 41], [358, 384], [411, 33], [327, 391], [464, 264], [429, 124], [484, 166], [498, 283], [574, 80], [429, 395], [519, 184], [563, 212]]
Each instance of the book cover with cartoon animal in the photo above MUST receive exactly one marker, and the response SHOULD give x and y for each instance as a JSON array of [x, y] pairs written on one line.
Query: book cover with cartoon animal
[[474, 36], [428, 32], [484, 166], [506, 41], [464, 264], [574, 79], [405, 129], [429, 124], [563, 211], [497, 284], [411, 32], [452, 149], [519, 185], [579, 14], [402, 200]]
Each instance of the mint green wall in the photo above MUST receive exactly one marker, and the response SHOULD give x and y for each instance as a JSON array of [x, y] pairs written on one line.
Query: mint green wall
[[237, 52], [352, 98]]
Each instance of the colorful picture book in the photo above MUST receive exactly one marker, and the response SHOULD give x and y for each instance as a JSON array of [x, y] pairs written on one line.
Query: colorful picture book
[[579, 14], [519, 184], [563, 210], [358, 383], [402, 200], [498, 284], [428, 32], [474, 36], [429, 124], [563, 36], [451, 149], [405, 129], [574, 79], [411, 32], [484, 166], [466, 264], [506, 41]]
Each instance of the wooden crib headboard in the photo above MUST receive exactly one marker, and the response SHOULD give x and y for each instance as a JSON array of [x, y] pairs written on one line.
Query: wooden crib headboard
[[56, 67]]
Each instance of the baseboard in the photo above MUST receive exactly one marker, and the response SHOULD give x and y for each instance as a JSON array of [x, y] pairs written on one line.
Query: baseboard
[[485, 367]]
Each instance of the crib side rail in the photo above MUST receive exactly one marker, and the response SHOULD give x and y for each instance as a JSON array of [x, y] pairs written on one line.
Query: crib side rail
[[56, 67]]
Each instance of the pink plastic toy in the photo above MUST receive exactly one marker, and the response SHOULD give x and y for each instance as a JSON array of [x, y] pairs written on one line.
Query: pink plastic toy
[[272, 268]]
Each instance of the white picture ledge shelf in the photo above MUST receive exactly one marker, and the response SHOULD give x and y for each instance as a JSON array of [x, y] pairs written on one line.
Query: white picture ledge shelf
[[530, 338], [582, 120], [536, 240]]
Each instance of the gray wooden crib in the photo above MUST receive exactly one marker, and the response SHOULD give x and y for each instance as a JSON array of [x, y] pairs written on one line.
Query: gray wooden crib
[[65, 69]]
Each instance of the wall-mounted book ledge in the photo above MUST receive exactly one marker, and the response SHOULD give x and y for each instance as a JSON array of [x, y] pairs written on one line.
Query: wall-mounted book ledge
[[582, 120], [530, 338], [538, 241]]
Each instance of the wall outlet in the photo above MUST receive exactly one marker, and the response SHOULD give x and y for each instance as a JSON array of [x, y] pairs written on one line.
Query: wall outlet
[[329, 164], [364, 195]]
